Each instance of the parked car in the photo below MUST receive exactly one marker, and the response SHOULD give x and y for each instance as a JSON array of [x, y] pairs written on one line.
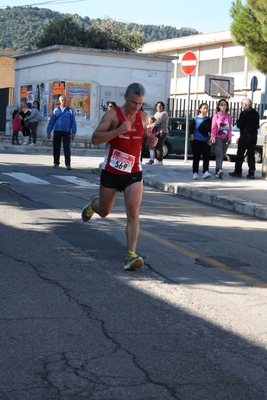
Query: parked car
[[175, 141], [232, 149]]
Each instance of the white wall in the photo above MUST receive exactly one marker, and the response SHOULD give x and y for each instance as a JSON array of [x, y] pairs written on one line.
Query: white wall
[[100, 68]]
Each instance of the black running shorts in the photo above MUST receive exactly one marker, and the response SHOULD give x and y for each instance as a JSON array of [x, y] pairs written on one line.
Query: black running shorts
[[119, 182]]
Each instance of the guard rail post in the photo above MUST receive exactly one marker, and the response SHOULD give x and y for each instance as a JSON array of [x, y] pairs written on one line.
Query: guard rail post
[[264, 159]]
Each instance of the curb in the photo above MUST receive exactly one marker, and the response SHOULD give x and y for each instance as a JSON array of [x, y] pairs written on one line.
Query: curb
[[48, 150], [203, 196]]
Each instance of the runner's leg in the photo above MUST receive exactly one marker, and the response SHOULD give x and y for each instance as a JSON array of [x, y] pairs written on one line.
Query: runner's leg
[[133, 197]]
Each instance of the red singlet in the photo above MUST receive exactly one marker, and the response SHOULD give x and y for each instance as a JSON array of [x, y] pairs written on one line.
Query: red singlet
[[123, 153]]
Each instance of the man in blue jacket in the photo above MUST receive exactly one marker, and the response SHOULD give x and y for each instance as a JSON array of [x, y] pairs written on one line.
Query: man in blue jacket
[[64, 124]]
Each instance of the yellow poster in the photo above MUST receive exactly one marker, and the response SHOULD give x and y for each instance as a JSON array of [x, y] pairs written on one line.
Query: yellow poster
[[78, 98]]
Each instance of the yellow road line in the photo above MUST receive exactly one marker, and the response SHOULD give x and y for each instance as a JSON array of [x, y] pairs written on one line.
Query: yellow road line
[[216, 264]]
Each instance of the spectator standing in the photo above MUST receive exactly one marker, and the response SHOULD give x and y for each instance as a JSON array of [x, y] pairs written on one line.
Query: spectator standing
[[151, 131], [26, 124], [161, 124], [199, 131], [33, 119], [64, 124], [221, 134], [248, 123], [16, 127], [111, 104], [25, 131]]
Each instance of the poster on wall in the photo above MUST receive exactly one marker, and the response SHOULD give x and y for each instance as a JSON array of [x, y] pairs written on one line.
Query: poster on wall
[[56, 89], [78, 98], [40, 93], [26, 96]]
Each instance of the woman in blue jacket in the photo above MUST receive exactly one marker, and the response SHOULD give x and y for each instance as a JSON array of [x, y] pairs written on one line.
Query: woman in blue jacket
[[199, 130]]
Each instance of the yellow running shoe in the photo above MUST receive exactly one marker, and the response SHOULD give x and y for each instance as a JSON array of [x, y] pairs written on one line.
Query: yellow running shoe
[[88, 212], [133, 261]]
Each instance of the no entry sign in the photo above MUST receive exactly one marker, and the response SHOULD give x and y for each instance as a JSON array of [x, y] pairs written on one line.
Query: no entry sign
[[189, 63]]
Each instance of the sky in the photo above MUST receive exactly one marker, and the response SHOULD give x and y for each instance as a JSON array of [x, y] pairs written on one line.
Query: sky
[[206, 16]]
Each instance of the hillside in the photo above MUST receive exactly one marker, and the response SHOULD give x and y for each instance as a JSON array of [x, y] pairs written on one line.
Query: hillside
[[20, 27]]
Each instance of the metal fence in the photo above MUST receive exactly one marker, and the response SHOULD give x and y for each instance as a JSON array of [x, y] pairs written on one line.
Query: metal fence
[[179, 108]]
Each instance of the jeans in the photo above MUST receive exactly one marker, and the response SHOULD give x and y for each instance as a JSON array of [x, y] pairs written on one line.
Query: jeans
[[33, 127], [220, 148], [159, 147], [58, 136]]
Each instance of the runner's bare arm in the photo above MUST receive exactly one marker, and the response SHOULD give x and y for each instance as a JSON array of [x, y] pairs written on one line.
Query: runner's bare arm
[[107, 128]]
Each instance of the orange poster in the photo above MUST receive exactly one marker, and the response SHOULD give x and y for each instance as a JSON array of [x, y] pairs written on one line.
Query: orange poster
[[26, 96], [56, 89], [78, 98]]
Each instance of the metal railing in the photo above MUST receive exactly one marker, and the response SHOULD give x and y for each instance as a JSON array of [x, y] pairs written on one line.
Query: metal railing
[[178, 108]]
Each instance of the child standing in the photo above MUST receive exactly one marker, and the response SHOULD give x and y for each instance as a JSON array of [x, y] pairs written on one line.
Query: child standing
[[151, 130], [16, 126], [221, 134]]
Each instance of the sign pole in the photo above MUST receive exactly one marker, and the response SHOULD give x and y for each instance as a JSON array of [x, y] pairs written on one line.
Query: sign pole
[[188, 65], [187, 120]]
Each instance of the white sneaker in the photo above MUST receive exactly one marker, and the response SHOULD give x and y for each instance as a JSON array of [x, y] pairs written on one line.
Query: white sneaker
[[195, 176], [156, 162], [206, 175], [32, 145]]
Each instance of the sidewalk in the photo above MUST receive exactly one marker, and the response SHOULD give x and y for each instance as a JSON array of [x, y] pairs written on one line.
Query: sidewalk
[[242, 195]]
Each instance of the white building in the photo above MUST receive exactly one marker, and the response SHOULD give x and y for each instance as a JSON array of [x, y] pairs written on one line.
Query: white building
[[89, 78], [217, 55]]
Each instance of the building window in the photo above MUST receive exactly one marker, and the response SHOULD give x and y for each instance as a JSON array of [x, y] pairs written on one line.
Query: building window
[[208, 67], [233, 64]]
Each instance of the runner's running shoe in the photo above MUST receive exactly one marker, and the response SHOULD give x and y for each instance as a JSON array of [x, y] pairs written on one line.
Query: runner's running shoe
[[88, 212], [133, 261]]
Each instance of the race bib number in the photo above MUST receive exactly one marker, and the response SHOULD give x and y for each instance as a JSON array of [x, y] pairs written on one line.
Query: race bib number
[[122, 161]]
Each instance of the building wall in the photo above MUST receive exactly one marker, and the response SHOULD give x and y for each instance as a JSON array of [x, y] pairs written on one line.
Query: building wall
[[7, 73], [100, 68]]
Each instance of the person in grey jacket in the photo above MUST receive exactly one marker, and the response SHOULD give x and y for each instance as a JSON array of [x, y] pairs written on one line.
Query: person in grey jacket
[[64, 124], [33, 120], [161, 125]]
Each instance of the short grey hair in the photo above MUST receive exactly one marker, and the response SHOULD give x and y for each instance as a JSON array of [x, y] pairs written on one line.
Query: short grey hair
[[137, 89], [247, 101]]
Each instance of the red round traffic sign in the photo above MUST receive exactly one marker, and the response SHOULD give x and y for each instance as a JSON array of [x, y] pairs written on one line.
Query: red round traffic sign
[[189, 63]]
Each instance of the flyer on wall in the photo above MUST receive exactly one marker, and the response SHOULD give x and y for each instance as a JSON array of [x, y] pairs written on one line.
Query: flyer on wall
[[26, 96], [56, 89], [78, 98]]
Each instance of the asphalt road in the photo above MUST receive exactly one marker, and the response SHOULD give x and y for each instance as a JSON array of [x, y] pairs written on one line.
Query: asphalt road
[[190, 325]]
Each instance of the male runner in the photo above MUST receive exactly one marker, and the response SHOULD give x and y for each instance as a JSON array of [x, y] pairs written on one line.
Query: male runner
[[123, 129]]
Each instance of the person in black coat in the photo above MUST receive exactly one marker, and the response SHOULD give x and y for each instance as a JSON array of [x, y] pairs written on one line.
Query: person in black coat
[[248, 123]]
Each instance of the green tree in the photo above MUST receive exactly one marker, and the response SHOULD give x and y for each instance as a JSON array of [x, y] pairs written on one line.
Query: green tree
[[249, 29], [101, 34], [112, 35], [63, 30]]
